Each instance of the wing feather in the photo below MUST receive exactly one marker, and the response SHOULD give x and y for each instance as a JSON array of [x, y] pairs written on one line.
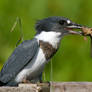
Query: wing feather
[[21, 56]]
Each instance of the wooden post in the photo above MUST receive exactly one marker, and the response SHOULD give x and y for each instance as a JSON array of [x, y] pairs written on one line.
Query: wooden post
[[53, 87], [72, 87]]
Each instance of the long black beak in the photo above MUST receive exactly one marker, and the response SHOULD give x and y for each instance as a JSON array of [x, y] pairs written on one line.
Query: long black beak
[[72, 26]]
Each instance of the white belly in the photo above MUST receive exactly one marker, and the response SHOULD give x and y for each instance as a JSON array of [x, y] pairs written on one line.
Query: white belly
[[34, 68]]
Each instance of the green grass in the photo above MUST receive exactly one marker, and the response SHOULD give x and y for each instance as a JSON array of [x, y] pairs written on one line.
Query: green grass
[[72, 62]]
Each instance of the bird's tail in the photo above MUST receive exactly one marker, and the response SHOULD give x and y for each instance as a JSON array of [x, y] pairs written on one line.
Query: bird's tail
[[2, 84]]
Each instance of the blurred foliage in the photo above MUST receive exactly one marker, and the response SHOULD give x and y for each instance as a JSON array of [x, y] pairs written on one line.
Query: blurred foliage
[[72, 62]]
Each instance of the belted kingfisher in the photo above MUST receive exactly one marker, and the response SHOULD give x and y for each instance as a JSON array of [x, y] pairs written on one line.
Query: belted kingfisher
[[27, 61]]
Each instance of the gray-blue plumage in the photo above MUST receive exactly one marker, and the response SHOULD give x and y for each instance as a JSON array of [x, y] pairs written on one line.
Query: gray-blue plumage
[[21, 56], [29, 58]]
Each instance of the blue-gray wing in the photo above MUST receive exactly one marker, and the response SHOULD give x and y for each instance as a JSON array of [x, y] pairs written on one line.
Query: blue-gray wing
[[21, 56]]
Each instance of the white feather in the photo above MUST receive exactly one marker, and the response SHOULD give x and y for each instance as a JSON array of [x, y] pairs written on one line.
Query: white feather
[[52, 37], [68, 21], [34, 68]]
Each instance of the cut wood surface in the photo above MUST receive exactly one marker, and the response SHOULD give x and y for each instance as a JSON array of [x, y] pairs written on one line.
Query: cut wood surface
[[53, 87]]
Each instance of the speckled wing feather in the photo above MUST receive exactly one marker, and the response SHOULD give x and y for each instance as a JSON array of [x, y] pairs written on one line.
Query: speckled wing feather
[[21, 56]]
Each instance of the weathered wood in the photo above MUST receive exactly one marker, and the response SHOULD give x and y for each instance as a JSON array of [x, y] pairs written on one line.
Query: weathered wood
[[72, 87], [53, 87], [42, 87]]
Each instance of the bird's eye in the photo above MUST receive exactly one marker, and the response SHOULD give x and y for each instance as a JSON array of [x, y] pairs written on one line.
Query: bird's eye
[[62, 22]]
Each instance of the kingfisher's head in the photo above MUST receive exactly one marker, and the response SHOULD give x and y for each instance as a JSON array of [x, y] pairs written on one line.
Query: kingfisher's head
[[57, 24]]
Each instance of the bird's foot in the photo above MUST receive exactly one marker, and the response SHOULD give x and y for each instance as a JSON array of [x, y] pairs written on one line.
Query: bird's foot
[[25, 81]]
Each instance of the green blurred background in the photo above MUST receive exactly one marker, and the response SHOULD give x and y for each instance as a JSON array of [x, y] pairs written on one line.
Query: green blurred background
[[72, 62]]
